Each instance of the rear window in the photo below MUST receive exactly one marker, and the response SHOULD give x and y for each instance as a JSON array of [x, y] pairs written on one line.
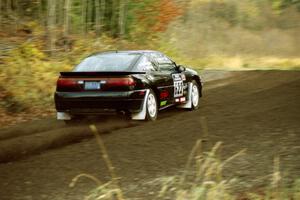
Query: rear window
[[107, 62]]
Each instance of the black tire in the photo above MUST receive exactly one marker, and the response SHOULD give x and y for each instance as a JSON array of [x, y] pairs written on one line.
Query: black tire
[[151, 106], [195, 103]]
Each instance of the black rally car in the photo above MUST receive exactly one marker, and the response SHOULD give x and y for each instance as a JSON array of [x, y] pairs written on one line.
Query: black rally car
[[139, 83]]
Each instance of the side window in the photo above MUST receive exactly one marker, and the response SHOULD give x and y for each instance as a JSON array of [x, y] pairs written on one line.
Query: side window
[[163, 62], [145, 65]]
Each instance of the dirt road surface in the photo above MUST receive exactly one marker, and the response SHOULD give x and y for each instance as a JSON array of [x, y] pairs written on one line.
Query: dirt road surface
[[256, 110]]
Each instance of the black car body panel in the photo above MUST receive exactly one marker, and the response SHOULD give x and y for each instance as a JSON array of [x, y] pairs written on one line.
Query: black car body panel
[[73, 102]]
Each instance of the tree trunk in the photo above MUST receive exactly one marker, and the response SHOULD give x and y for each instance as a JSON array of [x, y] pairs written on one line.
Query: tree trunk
[[60, 13], [90, 14], [8, 13], [41, 13], [98, 17], [103, 9], [16, 15], [122, 17], [51, 19], [84, 16], [1, 11], [114, 10], [67, 8], [8, 7]]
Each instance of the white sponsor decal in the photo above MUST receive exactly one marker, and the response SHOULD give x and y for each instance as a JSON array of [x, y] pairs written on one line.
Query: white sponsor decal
[[178, 85], [183, 77]]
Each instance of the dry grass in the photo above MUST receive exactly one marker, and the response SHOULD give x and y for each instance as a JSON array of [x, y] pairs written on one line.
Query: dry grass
[[248, 63], [109, 190], [201, 179]]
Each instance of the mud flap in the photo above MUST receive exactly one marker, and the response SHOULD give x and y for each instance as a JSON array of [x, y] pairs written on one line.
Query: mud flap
[[142, 114], [188, 104], [63, 116]]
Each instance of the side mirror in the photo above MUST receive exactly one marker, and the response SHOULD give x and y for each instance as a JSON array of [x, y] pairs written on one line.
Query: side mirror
[[180, 68]]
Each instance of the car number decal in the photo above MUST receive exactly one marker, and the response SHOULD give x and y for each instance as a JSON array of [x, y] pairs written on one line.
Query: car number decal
[[178, 85]]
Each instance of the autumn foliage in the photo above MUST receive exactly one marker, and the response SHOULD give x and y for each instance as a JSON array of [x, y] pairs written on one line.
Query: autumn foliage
[[168, 11], [153, 17]]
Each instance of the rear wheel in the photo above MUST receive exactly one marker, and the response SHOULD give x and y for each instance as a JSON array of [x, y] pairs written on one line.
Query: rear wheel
[[151, 107], [195, 96]]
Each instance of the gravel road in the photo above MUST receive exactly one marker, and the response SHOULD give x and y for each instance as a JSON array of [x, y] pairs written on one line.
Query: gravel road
[[254, 110]]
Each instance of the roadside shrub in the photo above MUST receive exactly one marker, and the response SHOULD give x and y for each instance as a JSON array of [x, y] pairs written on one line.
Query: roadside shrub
[[28, 78]]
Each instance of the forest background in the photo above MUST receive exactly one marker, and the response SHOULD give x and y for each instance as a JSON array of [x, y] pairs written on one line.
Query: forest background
[[40, 38]]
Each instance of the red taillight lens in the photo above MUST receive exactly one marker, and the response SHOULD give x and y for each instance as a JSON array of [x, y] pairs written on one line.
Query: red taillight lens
[[106, 84], [120, 82], [64, 84]]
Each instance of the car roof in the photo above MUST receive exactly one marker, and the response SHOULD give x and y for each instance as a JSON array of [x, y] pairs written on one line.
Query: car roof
[[127, 51]]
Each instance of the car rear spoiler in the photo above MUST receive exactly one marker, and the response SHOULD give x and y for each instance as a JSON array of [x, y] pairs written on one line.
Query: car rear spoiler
[[95, 74]]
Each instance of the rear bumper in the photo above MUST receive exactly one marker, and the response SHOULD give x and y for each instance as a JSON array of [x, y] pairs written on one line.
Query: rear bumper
[[99, 102]]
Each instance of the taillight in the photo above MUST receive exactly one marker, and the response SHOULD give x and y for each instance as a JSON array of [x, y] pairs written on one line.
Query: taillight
[[66, 84], [106, 84], [120, 82]]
